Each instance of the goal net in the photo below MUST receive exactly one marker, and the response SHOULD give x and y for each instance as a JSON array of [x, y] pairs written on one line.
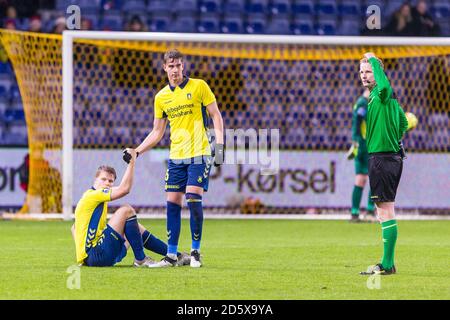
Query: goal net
[[305, 87]]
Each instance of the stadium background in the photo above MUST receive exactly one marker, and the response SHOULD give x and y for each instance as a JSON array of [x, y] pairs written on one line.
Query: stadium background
[[309, 97]]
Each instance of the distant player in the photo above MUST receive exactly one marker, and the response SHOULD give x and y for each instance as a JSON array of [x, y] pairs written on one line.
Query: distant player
[[358, 152], [187, 104], [99, 244], [386, 124]]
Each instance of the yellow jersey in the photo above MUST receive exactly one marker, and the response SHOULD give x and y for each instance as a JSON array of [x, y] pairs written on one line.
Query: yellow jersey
[[185, 108], [90, 220]]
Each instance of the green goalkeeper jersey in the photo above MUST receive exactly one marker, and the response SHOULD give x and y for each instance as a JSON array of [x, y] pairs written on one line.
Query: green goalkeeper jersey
[[386, 121], [359, 123]]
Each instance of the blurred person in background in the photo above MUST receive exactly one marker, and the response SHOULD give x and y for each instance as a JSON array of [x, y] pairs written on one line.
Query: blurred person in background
[[423, 23], [60, 25], [35, 24], [86, 24], [401, 22], [10, 24], [135, 24]]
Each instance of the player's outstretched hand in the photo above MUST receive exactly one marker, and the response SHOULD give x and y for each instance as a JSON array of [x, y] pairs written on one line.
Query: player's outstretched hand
[[129, 154], [219, 155]]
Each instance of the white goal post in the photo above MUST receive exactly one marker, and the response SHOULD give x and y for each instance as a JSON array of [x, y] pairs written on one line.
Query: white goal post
[[68, 71]]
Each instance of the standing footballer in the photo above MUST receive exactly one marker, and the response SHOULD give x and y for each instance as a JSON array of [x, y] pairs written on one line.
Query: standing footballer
[[358, 151], [386, 124], [187, 104]]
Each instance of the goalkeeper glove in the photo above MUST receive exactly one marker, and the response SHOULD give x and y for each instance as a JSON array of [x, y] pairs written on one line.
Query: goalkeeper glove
[[353, 151], [219, 155], [402, 151], [127, 157]]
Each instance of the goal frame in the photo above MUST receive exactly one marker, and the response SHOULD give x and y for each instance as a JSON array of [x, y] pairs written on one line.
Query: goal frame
[[69, 36]]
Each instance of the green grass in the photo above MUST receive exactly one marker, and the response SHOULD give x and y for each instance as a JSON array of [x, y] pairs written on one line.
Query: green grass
[[243, 259]]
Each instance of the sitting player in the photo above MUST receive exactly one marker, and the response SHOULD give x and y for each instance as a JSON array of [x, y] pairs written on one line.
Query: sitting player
[[99, 244]]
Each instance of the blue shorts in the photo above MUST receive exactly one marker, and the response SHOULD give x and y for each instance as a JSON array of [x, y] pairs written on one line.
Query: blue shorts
[[110, 249], [188, 172]]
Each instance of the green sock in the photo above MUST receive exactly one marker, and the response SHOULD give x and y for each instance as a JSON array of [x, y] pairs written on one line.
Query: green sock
[[370, 204], [356, 199], [389, 232]]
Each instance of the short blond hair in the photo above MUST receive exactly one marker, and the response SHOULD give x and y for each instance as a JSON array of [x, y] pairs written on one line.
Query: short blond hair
[[106, 169], [365, 60]]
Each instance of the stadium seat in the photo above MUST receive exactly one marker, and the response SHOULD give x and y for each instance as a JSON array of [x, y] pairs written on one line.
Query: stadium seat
[[5, 68], [160, 23], [208, 25], [232, 7], [279, 7], [349, 9], [159, 6], [137, 5], [255, 25], [349, 27], [3, 93], [185, 7], [303, 27], [112, 22], [61, 5], [88, 6], [232, 25], [210, 6], [326, 27], [278, 26], [256, 7], [326, 8], [183, 24], [441, 10]]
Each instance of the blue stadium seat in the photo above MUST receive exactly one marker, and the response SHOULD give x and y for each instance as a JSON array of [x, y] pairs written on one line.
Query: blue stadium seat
[[278, 26], [326, 27], [303, 8], [159, 6], [111, 4], [349, 9], [136, 5], [160, 23], [3, 93], [183, 24], [280, 7], [5, 68], [88, 6], [14, 93], [349, 27], [257, 7], [303, 27], [326, 8], [255, 25], [232, 25], [210, 6], [185, 7], [441, 10], [233, 7], [112, 20], [208, 24], [61, 5]]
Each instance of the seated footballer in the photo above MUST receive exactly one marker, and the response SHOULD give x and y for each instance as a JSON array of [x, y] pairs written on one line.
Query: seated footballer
[[101, 244]]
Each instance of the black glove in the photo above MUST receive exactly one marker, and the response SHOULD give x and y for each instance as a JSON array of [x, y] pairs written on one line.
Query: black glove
[[127, 157], [219, 155], [402, 151]]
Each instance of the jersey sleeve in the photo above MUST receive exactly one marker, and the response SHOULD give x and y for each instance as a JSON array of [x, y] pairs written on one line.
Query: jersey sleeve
[[207, 96], [100, 195], [383, 85], [159, 113]]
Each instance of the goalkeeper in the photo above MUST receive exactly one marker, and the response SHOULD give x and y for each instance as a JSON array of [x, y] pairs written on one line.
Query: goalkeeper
[[358, 152], [185, 103]]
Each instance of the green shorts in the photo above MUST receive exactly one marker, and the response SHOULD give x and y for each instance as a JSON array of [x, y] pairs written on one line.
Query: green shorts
[[362, 162]]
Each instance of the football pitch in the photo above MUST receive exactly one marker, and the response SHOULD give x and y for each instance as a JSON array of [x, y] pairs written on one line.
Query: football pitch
[[243, 260]]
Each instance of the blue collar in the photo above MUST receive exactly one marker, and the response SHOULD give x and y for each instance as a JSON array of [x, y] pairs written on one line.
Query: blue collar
[[182, 84]]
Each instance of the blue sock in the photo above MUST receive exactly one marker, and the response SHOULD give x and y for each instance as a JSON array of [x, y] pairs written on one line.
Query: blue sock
[[134, 237], [173, 227], [194, 202], [154, 244]]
